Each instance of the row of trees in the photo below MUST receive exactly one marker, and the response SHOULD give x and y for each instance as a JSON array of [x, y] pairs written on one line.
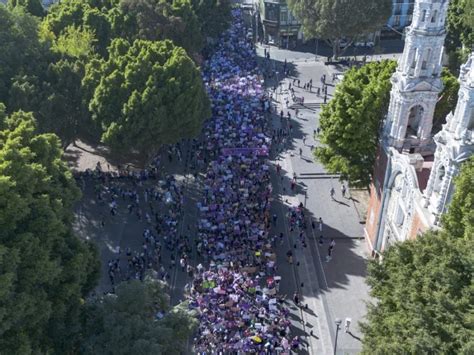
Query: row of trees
[[121, 71], [422, 288]]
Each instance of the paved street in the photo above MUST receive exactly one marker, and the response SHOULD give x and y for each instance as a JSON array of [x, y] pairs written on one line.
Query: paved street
[[334, 289], [329, 290]]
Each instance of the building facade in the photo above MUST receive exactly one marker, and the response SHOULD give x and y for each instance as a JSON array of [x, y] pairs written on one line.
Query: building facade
[[402, 15], [414, 171], [280, 27]]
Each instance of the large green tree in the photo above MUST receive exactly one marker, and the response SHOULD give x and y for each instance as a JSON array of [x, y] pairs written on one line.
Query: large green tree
[[145, 95], [214, 15], [423, 288], [21, 52], [334, 20], [350, 122], [45, 271], [137, 319], [103, 18], [160, 19], [460, 32]]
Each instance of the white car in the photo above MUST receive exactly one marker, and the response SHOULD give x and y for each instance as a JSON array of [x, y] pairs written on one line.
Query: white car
[[343, 43]]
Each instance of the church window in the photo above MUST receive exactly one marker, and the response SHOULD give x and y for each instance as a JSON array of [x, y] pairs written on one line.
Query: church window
[[400, 217], [435, 15], [470, 125], [414, 120], [426, 58], [439, 180], [413, 60], [423, 16]]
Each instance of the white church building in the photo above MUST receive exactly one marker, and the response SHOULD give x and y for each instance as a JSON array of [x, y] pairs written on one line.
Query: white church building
[[413, 177]]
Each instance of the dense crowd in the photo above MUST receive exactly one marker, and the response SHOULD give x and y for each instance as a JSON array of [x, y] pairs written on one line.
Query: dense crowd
[[155, 201], [237, 297]]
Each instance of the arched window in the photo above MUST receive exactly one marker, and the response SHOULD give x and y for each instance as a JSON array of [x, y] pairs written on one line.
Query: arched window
[[434, 17], [470, 125], [414, 119], [439, 178], [423, 16], [413, 58]]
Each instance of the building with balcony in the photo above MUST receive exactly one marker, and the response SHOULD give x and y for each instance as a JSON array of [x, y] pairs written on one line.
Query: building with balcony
[[280, 26]]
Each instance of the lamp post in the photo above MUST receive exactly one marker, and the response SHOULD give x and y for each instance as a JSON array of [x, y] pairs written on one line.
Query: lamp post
[[338, 326]]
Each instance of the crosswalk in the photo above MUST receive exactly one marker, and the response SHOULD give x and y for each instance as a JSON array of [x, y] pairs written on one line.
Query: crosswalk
[[307, 105]]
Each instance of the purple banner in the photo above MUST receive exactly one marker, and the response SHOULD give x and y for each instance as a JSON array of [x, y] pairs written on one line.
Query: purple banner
[[263, 152]]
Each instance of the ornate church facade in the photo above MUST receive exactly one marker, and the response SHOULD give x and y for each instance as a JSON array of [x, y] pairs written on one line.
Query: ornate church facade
[[414, 171]]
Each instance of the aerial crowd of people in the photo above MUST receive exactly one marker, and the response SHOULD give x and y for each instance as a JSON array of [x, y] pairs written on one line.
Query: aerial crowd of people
[[237, 297]]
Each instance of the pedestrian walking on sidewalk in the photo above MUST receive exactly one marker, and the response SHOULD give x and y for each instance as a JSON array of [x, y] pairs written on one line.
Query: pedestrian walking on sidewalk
[[332, 192], [330, 250], [343, 190], [296, 299], [289, 257]]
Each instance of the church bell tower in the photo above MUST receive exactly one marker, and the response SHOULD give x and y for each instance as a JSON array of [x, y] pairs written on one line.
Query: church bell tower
[[416, 83], [454, 144]]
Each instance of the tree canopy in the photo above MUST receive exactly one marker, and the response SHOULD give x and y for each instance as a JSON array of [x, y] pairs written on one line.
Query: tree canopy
[[334, 20], [423, 287], [145, 95], [159, 20], [459, 220], [350, 122], [21, 51], [214, 16], [460, 32], [137, 319], [447, 99], [46, 270]]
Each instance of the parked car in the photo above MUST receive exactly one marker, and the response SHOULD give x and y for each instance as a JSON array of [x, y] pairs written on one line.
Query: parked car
[[362, 44], [343, 43]]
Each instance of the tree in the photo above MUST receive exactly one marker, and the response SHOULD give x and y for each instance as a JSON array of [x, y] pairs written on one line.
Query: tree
[[447, 99], [137, 319], [34, 7], [423, 287], [334, 20], [350, 122], [57, 100], [459, 220], [460, 32], [45, 271], [88, 15], [160, 19], [214, 15], [145, 95], [21, 51]]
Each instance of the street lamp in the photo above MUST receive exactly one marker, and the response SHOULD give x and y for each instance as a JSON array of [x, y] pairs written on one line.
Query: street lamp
[[338, 326]]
